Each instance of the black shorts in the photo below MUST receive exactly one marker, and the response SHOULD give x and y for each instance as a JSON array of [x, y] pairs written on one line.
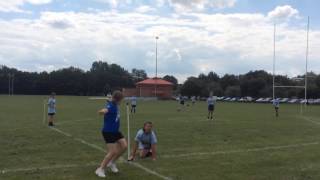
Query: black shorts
[[133, 106], [182, 102], [110, 137], [211, 107], [276, 108], [51, 114]]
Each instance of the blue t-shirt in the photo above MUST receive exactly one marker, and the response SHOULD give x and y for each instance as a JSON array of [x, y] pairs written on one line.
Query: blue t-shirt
[[145, 140], [111, 118]]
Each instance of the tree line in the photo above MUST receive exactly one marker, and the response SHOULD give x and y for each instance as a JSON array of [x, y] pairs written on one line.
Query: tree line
[[254, 84], [103, 78]]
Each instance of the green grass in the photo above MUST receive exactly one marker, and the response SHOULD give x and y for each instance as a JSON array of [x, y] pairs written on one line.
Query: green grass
[[26, 143]]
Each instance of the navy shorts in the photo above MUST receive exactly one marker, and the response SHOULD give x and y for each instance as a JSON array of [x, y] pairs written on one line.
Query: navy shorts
[[211, 107], [112, 137], [51, 114]]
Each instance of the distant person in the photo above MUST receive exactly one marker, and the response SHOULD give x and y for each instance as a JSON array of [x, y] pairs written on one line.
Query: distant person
[[133, 104], [145, 143], [211, 106], [181, 102], [51, 109], [116, 143], [193, 100], [276, 105]]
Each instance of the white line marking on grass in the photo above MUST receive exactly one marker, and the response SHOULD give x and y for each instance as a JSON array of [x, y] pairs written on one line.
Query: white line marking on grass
[[80, 120], [4, 171], [61, 132], [135, 164], [241, 150], [309, 119], [149, 170]]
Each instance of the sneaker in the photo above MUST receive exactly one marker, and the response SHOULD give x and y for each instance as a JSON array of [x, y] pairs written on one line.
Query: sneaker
[[100, 173], [113, 167]]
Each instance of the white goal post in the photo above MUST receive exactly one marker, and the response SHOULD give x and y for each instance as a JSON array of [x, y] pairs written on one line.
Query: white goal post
[[305, 79]]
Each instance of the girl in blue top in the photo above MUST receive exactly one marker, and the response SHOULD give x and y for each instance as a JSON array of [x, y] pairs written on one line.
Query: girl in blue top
[[116, 143]]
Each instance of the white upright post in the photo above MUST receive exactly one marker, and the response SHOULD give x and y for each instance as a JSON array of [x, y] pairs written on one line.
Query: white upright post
[[128, 124], [306, 75], [274, 61]]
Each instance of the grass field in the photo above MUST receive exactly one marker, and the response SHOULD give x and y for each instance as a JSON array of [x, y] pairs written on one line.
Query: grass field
[[244, 142]]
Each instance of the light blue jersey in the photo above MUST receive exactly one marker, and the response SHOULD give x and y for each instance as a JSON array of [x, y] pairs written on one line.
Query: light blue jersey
[[52, 105], [133, 100], [145, 140], [211, 101], [276, 103]]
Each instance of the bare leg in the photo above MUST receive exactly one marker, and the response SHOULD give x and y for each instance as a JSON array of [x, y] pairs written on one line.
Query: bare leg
[[121, 146], [112, 152]]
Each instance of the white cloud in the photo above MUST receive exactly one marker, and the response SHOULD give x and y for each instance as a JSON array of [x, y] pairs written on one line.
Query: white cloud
[[188, 45], [190, 5], [15, 5], [283, 13], [145, 9]]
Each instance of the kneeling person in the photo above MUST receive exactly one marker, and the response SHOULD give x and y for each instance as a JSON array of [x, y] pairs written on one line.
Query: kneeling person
[[145, 143]]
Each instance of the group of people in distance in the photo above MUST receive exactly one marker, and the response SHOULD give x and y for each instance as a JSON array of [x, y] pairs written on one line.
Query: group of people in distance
[[145, 139], [211, 101]]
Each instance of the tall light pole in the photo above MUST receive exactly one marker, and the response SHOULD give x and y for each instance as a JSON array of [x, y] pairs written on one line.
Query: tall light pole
[[155, 88]]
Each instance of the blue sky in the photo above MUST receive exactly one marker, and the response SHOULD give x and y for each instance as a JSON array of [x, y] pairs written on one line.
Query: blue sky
[[196, 36]]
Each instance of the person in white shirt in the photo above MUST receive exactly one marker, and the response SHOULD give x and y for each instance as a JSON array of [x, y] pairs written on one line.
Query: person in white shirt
[[211, 105], [133, 104]]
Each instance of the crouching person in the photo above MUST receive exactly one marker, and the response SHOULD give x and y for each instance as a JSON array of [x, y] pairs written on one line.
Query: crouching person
[[145, 143]]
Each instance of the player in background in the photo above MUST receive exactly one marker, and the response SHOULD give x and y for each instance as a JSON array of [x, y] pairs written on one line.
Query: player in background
[[145, 143], [51, 109], [133, 104], [181, 102], [193, 100], [276, 105], [211, 105], [116, 143]]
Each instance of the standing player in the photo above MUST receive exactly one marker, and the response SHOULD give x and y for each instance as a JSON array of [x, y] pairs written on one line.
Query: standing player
[[133, 104], [193, 100], [211, 103], [146, 141], [276, 105], [116, 143], [51, 109], [181, 102]]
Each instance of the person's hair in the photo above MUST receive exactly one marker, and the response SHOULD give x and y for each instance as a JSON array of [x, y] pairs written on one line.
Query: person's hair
[[53, 94], [117, 96], [146, 123]]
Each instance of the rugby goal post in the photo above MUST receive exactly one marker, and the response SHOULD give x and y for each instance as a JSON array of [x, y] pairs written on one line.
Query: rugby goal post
[[305, 79]]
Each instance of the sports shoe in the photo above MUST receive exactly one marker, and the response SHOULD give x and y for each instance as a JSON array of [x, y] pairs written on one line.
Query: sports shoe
[[113, 167], [100, 173]]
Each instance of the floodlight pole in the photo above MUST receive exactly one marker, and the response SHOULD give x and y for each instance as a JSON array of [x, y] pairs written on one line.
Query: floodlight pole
[[155, 89], [274, 61], [307, 56]]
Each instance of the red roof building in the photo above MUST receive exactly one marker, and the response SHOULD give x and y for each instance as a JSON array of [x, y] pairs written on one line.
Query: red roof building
[[153, 87]]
